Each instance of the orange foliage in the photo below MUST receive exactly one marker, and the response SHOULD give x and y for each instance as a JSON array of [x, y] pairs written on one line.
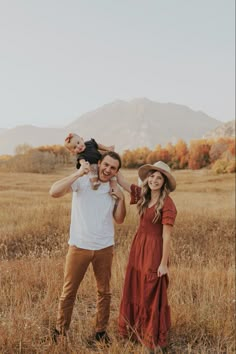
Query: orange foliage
[[181, 153], [199, 154], [152, 157]]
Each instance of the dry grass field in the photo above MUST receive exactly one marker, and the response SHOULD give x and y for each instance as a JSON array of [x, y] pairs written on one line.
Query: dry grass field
[[33, 243]]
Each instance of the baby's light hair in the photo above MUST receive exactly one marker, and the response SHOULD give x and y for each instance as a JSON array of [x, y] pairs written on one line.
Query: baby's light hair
[[71, 140]]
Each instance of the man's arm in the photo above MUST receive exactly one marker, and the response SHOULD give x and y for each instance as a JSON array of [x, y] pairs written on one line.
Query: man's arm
[[63, 186], [119, 211]]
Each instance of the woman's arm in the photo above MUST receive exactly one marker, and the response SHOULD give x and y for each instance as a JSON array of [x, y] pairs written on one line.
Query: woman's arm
[[123, 182], [63, 186], [163, 268]]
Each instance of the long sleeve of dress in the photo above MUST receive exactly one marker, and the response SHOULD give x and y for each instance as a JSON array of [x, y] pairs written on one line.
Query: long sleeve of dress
[[169, 212], [135, 193]]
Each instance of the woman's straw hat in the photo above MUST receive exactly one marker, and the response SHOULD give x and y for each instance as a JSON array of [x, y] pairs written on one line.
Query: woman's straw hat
[[161, 167]]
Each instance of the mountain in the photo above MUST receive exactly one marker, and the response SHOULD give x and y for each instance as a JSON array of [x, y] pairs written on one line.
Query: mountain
[[142, 122], [127, 125], [2, 130], [223, 130]]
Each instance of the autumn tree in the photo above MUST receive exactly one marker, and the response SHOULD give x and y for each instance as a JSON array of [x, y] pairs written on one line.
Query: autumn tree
[[232, 146], [218, 147], [61, 154], [152, 157], [171, 150], [141, 155], [199, 154], [181, 154], [128, 159]]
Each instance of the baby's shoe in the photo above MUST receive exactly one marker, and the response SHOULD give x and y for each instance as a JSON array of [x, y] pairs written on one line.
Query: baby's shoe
[[94, 184]]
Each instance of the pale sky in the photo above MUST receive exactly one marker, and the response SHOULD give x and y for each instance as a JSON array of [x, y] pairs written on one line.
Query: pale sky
[[63, 58]]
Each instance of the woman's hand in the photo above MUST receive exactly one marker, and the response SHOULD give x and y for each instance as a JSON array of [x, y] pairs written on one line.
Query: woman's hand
[[117, 193], [162, 270]]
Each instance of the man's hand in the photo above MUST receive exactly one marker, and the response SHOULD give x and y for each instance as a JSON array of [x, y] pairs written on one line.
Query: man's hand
[[63, 186], [84, 168]]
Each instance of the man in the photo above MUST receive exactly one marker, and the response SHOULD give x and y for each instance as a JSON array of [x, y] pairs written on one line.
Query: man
[[91, 238]]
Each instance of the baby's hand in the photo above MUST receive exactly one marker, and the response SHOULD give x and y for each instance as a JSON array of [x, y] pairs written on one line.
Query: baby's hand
[[112, 148], [116, 192]]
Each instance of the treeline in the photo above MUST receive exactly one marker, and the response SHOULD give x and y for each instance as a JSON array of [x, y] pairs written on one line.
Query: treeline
[[216, 154], [43, 159]]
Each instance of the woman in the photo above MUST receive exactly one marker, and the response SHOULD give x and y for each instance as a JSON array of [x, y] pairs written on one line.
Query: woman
[[144, 310]]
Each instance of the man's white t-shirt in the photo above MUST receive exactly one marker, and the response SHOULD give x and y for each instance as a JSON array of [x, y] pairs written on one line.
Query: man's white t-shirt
[[91, 215]]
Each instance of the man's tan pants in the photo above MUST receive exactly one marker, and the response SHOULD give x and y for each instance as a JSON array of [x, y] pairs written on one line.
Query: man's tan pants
[[77, 262]]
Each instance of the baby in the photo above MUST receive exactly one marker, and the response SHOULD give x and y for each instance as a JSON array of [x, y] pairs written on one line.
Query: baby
[[88, 151]]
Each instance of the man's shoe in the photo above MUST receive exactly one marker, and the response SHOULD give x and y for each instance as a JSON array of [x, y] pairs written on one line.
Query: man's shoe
[[55, 335], [103, 337]]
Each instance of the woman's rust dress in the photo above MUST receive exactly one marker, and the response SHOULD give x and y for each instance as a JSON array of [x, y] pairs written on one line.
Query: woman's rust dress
[[144, 310]]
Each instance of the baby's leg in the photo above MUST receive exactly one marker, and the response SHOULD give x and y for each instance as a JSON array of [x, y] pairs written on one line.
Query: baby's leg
[[93, 176]]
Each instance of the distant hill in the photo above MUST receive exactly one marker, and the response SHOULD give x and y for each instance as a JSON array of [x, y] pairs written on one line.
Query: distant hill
[[2, 130], [127, 125], [223, 130], [142, 122]]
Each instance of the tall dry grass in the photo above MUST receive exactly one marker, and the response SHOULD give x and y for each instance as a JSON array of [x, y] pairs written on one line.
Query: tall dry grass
[[33, 243]]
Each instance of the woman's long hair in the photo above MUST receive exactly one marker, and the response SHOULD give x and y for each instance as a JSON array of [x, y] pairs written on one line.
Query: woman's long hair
[[145, 198]]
